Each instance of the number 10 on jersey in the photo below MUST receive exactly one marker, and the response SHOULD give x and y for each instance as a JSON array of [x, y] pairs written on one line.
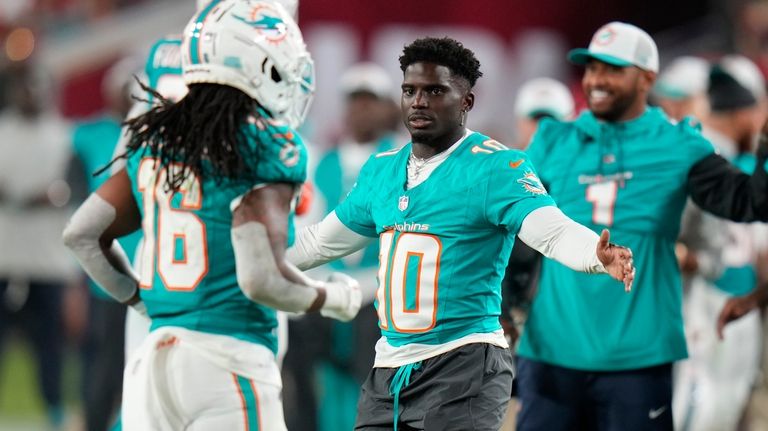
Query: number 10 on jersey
[[409, 267]]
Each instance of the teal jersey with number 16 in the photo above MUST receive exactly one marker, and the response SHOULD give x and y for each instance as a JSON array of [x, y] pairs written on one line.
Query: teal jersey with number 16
[[187, 265]]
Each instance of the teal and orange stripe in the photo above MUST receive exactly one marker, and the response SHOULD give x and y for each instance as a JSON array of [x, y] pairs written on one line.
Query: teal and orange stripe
[[194, 38], [249, 399]]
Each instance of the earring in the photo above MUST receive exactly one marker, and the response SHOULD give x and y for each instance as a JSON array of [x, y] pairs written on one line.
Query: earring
[[463, 116]]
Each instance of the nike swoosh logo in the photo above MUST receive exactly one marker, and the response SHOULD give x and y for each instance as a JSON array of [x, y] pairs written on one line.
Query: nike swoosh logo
[[516, 163], [653, 414]]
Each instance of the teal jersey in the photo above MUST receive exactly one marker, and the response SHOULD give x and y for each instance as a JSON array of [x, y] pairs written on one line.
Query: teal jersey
[[333, 184], [94, 142], [444, 244], [163, 69], [187, 266], [630, 177]]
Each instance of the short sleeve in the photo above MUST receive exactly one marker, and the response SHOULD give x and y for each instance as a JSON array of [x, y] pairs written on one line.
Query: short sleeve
[[277, 154], [355, 210], [513, 190]]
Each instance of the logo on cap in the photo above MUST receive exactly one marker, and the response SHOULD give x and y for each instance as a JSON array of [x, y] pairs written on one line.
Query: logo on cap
[[604, 37]]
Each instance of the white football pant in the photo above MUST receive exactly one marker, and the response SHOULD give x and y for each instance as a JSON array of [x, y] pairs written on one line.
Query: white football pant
[[187, 380], [712, 387]]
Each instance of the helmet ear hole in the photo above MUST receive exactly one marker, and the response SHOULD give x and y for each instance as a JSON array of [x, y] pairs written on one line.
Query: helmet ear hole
[[276, 75]]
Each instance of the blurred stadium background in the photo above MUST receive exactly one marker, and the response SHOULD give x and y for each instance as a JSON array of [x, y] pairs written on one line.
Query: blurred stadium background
[[77, 41]]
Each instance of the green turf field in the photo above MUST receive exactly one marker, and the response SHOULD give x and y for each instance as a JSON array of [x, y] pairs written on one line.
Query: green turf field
[[21, 405]]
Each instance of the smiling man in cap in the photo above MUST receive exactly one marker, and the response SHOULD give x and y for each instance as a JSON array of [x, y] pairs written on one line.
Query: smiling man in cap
[[591, 358]]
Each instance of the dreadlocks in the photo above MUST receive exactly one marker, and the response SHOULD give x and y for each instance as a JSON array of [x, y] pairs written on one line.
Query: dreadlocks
[[204, 132]]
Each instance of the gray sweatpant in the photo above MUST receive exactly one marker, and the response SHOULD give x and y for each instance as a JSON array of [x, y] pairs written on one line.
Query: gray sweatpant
[[465, 389]]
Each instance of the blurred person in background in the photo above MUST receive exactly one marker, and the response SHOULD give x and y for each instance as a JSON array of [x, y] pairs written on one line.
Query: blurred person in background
[[334, 356], [540, 98], [681, 89], [94, 141], [591, 358], [35, 268], [713, 387], [751, 31]]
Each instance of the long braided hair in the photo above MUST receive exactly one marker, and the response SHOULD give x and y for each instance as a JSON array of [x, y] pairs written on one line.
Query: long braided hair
[[207, 125]]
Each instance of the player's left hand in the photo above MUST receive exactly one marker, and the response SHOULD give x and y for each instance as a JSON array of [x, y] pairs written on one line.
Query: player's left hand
[[343, 299], [617, 260], [735, 308]]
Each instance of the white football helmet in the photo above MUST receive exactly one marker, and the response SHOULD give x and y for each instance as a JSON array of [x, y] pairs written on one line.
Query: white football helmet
[[292, 6], [256, 47], [201, 4]]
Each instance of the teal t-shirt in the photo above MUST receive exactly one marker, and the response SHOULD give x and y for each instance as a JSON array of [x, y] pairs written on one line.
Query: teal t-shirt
[[630, 177], [187, 267], [444, 244], [94, 142]]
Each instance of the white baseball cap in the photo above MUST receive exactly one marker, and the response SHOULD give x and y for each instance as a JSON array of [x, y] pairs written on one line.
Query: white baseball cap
[[544, 96], [746, 73], [619, 44], [367, 77], [685, 77]]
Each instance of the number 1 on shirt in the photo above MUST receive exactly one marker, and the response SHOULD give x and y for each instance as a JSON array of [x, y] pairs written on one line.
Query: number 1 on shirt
[[603, 199]]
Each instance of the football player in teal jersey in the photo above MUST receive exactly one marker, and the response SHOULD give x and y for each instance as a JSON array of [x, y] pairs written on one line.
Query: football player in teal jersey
[[591, 359], [211, 180], [446, 208]]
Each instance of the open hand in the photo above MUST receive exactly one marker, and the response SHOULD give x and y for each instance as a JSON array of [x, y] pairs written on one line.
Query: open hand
[[617, 260]]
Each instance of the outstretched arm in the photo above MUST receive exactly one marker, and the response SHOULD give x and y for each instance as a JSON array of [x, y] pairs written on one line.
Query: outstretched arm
[[323, 242], [725, 191], [556, 236], [259, 232]]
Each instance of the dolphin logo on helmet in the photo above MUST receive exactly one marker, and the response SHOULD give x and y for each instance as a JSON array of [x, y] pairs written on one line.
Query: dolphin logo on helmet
[[265, 21]]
